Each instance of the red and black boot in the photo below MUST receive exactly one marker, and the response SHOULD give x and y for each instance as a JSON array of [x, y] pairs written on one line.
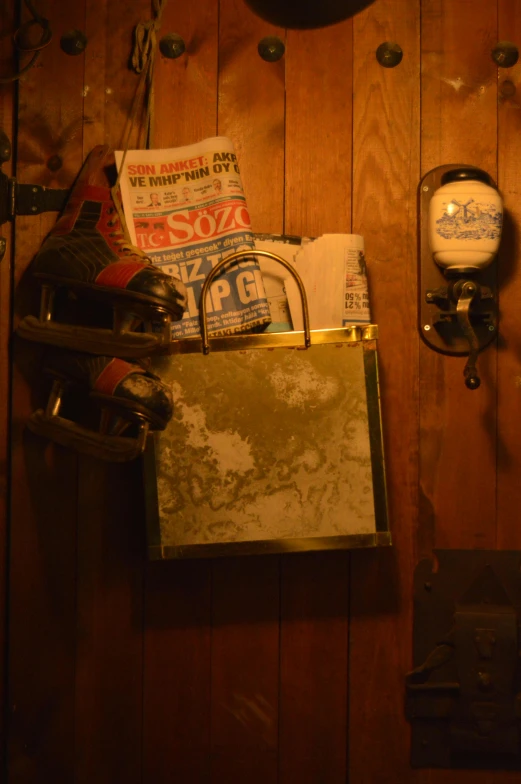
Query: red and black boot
[[131, 400], [89, 253]]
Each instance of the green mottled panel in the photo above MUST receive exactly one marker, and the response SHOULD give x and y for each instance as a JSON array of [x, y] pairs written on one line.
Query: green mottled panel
[[265, 445]]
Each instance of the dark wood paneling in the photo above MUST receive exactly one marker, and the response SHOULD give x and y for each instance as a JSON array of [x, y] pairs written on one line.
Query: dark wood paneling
[[251, 111], [319, 115], [386, 171], [509, 354], [314, 588], [245, 603], [44, 478], [7, 125], [251, 668], [111, 537], [177, 672], [177, 636], [245, 670], [458, 427], [313, 668], [109, 617]]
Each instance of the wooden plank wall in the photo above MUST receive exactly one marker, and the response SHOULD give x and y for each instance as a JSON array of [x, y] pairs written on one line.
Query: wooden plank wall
[[7, 69], [274, 669]]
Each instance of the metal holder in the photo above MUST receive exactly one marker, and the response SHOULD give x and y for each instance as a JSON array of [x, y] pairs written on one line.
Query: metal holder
[[457, 316], [232, 258]]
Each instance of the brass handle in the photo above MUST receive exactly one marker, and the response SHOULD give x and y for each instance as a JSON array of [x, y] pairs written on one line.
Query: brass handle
[[469, 290], [241, 254]]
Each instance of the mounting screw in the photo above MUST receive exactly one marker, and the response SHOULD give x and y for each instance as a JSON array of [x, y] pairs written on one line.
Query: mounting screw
[[425, 188], [271, 49], [34, 209], [429, 295], [491, 328], [505, 54], [428, 586], [35, 190], [426, 327], [172, 46], [73, 42], [389, 54]]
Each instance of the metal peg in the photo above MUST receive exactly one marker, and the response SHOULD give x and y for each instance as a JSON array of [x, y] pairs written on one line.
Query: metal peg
[[389, 54], [73, 42], [172, 46], [505, 54], [271, 49]]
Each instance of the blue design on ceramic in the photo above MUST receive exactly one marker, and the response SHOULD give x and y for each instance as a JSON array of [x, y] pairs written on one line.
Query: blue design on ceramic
[[471, 220]]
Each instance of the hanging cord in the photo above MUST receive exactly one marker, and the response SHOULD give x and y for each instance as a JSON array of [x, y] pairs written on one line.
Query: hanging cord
[[142, 61], [35, 49]]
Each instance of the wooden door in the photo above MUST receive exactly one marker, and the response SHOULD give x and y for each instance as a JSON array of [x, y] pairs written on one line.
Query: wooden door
[[282, 669]]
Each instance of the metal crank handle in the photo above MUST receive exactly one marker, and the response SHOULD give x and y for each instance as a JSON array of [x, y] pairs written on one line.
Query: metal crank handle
[[469, 291]]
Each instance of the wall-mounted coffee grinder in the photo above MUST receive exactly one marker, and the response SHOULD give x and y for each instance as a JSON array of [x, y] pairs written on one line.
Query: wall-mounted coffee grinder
[[461, 217]]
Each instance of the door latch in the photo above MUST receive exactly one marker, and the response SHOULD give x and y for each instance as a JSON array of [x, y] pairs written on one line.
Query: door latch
[[463, 697]]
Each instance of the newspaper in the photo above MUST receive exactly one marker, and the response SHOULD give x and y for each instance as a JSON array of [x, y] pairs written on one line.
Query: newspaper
[[185, 208], [333, 270]]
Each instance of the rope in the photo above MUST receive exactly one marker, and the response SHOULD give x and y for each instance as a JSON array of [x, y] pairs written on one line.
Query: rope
[[142, 62]]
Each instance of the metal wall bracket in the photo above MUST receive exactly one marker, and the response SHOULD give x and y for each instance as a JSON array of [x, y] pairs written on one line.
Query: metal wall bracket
[[463, 697], [22, 199]]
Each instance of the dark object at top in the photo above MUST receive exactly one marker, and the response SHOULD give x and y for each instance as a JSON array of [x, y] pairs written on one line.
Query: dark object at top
[[468, 173], [306, 14], [505, 54]]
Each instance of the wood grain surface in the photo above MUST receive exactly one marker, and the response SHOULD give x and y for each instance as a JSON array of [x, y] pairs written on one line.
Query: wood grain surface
[[7, 125], [386, 170], [290, 669], [246, 592], [314, 588], [42, 594], [509, 353], [319, 141], [314, 668], [178, 608], [458, 429]]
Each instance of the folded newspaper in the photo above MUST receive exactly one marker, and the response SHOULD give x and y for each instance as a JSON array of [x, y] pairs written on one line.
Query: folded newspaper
[[185, 207]]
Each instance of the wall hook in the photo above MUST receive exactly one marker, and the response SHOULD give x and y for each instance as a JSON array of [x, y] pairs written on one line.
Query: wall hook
[[73, 42], [271, 48], [172, 46]]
